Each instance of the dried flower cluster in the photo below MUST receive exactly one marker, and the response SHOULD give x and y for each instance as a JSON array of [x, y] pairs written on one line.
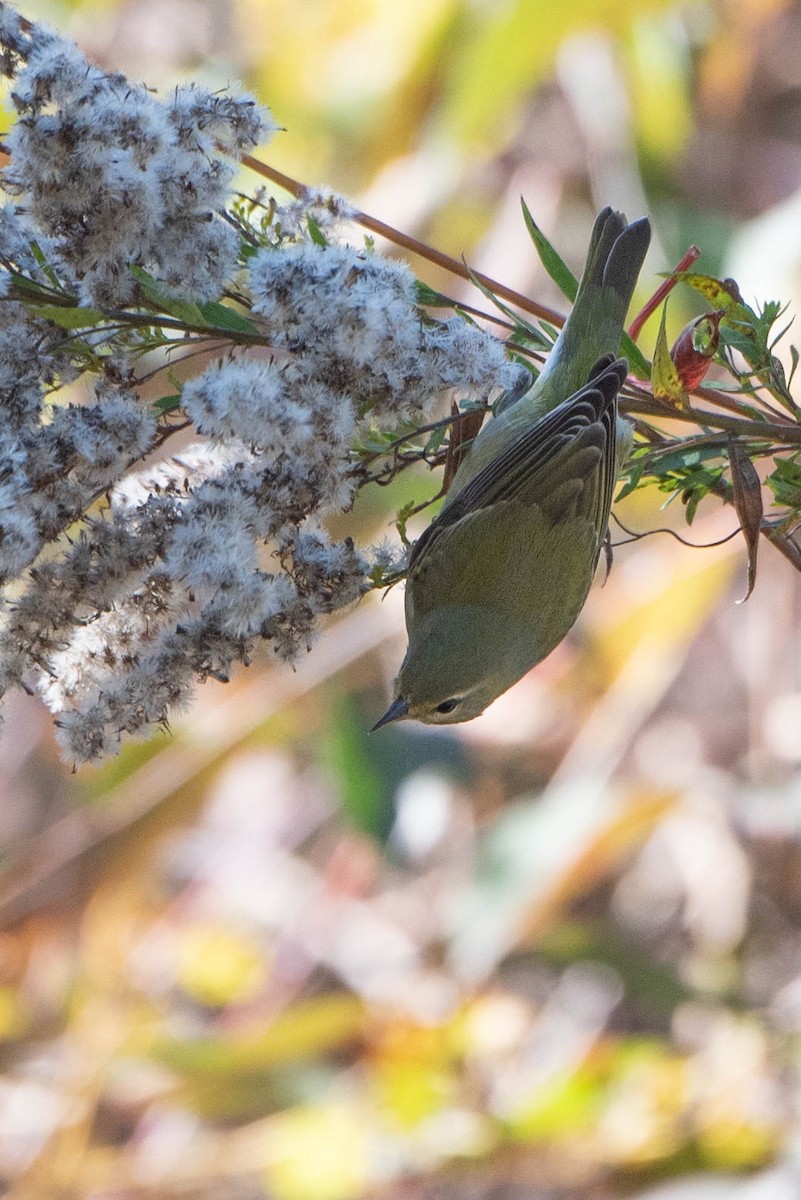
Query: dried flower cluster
[[123, 582]]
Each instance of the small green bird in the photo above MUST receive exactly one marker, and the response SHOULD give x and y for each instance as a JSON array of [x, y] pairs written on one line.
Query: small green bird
[[500, 575]]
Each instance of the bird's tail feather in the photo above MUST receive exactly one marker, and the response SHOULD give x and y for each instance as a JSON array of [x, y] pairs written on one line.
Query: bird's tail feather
[[594, 327]]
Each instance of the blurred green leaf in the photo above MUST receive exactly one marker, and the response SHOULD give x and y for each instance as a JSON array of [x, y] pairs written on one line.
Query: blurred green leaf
[[365, 802]]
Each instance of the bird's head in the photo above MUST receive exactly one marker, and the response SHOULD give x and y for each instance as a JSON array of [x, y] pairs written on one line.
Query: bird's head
[[459, 659]]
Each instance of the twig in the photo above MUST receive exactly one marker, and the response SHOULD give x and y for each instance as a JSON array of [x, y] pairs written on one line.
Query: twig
[[661, 292]]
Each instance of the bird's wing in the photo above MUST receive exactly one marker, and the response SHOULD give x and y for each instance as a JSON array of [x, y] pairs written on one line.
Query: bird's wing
[[564, 464]]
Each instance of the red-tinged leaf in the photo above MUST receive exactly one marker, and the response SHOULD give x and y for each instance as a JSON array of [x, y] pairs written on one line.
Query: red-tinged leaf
[[463, 430], [665, 379], [748, 506], [695, 347]]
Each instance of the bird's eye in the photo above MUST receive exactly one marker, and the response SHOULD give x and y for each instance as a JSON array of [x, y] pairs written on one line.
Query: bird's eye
[[447, 706]]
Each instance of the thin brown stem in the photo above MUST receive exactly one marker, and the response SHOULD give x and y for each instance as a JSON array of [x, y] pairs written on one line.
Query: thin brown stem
[[725, 401], [784, 544], [764, 431]]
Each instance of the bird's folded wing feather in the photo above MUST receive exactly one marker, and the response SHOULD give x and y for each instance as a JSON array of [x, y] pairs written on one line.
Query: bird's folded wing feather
[[564, 464]]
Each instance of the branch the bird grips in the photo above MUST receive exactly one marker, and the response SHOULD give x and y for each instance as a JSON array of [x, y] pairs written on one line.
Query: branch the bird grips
[[500, 575]]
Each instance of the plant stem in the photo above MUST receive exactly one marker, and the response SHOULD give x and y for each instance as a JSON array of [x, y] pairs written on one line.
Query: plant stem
[[764, 431], [661, 292]]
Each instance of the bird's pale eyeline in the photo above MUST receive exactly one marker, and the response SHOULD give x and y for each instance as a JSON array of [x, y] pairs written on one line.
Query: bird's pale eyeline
[[500, 575]]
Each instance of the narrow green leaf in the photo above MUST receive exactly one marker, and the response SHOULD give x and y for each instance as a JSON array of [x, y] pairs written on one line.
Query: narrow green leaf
[[558, 270], [436, 439], [550, 331], [402, 518], [315, 232], [167, 404], [220, 316], [638, 363], [67, 317], [82, 352], [175, 306], [684, 458], [429, 298], [493, 299], [529, 336], [635, 473], [38, 254], [183, 310]]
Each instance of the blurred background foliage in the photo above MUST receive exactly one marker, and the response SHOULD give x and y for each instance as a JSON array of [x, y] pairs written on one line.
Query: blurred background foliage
[[555, 953]]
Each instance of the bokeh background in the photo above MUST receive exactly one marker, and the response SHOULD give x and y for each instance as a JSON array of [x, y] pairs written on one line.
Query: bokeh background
[[555, 953]]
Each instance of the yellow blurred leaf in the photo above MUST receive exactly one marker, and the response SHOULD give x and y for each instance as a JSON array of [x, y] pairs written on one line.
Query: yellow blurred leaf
[[220, 966], [319, 1153], [308, 1028], [562, 1106], [411, 1091], [13, 1019], [507, 50], [738, 1144], [661, 86], [645, 1106], [604, 851]]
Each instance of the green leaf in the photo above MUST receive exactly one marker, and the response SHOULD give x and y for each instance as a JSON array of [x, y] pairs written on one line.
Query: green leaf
[[528, 336], [167, 403], [220, 316], [38, 254], [183, 310], [67, 317], [638, 363], [550, 331], [635, 472], [365, 802], [81, 352], [315, 232], [247, 250], [436, 439], [429, 298], [515, 318], [401, 519], [737, 337], [683, 459], [558, 270], [664, 376], [785, 483]]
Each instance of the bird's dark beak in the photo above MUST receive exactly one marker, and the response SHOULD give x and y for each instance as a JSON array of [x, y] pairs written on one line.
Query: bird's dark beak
[[397, 710]]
